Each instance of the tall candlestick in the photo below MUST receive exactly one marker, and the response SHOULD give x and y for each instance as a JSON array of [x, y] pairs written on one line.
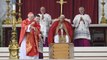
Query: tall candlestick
[[103, 19], [14, 7], [19, 14], [13, 45], [7, 21]]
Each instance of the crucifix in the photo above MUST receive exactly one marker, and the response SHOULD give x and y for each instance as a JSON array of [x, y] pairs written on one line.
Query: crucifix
[[61, 2]]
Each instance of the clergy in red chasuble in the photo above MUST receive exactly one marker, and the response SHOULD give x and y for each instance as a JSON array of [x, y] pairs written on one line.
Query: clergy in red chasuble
[[60, 31], [29, 37]]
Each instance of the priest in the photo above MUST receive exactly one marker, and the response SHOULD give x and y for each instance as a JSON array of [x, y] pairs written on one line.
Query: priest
[[81, 23], [29, 37], [60, 31]]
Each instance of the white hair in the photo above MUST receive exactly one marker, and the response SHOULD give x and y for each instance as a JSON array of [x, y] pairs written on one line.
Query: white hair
[[29, 15]]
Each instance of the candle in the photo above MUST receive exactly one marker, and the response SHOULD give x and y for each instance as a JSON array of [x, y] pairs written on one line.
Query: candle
[[19, 1], [62, 32], [14, 7], [13, 1]]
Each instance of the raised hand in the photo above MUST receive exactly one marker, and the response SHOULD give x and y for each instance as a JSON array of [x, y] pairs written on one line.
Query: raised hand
[[81, 19], [32, 23]]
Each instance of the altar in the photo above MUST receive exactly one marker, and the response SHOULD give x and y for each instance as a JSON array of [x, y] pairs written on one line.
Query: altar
[[98, 34]]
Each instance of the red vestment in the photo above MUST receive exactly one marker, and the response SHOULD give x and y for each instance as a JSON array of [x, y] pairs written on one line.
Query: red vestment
[[53, 28], [32, 37]]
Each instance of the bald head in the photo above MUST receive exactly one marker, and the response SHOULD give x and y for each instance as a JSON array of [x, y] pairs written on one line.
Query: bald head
[[42, 10], [62, 17], [81, 10], [30, 15]]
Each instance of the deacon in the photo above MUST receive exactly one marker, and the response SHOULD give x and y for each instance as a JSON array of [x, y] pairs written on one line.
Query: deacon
[[45, 21], [61, 31], [29, 37], [81, 23]]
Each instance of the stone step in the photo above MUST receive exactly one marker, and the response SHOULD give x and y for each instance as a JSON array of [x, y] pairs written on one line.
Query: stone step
[[79, 53]]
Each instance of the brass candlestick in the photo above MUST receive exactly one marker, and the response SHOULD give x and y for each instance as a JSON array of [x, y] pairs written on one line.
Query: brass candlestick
[[7, 21], [103, 19], [13, 46], [19, 14]]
